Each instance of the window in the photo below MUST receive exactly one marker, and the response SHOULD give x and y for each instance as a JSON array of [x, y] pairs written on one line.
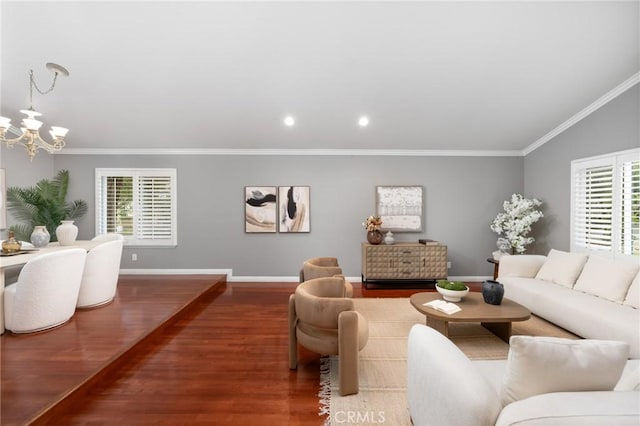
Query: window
[[605, 203], [137, 203]]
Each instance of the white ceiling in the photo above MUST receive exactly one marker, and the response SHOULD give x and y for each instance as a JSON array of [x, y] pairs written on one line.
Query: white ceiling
[[433, 75]]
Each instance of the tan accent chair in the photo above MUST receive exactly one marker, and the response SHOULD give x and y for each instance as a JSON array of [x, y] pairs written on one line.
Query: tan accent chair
[[323, 320], [321, 267]]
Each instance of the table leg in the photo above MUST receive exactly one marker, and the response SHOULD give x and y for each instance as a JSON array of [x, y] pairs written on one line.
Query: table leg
[[500, 329], [439, 325]]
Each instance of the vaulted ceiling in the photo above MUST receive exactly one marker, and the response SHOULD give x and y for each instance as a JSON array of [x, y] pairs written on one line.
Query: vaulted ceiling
[[432, 75]]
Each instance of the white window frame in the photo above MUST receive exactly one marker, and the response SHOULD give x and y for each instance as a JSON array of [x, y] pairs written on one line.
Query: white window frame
[[136, 173], [615, 160]]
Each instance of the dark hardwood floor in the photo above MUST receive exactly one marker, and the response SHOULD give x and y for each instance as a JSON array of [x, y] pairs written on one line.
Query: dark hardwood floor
[[215, 353]]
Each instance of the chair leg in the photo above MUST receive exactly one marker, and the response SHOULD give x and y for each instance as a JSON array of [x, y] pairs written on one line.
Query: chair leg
[[348, 349]]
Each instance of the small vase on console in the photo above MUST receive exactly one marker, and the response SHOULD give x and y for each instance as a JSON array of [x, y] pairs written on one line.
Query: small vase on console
[[492, 292], [374, 237], [388, 238], [66, 233], [40, 237]]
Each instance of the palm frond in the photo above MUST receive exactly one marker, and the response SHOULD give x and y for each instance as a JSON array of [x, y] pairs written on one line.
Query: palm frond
[[43, 204], [61, 184], [76, 209], [22, 231]]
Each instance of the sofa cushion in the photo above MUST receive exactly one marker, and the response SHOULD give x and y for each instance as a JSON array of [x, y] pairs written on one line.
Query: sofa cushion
[[573, 408], [562, 267], [538, 365], [581, 313], [606, 278], [630, 379], [633, 295]]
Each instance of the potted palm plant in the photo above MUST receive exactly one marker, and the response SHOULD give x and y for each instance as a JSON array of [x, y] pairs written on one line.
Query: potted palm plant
[[43, 204]]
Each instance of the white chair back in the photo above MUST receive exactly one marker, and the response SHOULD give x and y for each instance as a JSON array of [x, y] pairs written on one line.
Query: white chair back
[[100, 276], [108, 237], [46, 292]]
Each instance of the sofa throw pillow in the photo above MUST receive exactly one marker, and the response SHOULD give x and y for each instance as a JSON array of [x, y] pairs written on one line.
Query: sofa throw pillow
[[606, 278], [562, 267], [633, 295], [537, 365], [630, 380]]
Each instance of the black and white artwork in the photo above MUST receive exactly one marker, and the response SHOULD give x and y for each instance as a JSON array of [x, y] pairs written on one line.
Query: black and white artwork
[[3, 200], [400, 208], [260, 209], [294, 209]]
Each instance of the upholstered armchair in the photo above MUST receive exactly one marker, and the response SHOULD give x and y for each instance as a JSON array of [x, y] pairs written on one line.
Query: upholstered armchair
[[46, 292], [319, 267], [322, 319], [100, 276]]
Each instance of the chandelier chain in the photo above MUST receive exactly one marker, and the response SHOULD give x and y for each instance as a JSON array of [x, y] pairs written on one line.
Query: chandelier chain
[[32, 84]]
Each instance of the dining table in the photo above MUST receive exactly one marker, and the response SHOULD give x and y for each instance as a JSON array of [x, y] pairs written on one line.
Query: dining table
[[22, 257]]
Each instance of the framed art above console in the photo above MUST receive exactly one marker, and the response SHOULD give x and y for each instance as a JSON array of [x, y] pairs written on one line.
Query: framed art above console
[[400, 208]]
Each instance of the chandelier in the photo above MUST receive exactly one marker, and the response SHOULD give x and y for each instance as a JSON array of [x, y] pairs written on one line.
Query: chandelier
[[30, 137]]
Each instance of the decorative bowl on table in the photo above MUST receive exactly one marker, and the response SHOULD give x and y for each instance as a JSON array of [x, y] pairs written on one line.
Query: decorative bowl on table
[[452, 291]]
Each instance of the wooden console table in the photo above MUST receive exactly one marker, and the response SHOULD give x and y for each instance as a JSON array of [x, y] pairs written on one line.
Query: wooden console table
[[403, 262]]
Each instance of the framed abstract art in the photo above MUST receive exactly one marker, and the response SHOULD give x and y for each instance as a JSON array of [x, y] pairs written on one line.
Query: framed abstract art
[[400, 208], [294, 209], [3, 200], [260, 209]]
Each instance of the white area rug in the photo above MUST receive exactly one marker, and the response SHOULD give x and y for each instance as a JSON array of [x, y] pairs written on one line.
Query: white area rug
[[382, 365]]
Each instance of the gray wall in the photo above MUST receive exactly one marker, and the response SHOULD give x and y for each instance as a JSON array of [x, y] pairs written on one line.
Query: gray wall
[[462, 195], [20, 171], [547, 170]]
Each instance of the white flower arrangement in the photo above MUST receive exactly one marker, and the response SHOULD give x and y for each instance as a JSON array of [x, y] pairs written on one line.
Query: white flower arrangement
[[515, 223]]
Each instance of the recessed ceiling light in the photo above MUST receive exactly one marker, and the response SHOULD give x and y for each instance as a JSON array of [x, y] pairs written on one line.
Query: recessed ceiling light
[[363, 121], [289, 121]]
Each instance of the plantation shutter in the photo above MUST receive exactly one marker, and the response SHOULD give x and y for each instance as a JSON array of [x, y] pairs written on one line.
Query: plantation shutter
[[605, 204], [154, 219], [117, 198], [137, 203], [629, 241], [593, 206]]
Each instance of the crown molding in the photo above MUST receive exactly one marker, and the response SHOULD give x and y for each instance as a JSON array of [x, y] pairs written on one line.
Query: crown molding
[[294, 152], [600, 102]]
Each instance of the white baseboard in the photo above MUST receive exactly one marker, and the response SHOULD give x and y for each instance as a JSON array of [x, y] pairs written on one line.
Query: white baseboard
[[251, 278], [226, 272]]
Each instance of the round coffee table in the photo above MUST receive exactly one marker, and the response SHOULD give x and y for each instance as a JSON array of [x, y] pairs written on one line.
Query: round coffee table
[[495, 318]]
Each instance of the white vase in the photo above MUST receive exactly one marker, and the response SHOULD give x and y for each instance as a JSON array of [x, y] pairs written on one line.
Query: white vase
[[40, 236], [66, 233], [388, 239]]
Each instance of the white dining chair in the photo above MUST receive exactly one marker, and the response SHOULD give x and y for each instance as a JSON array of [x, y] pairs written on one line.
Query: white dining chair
[[46, 292], [100, 276], [110, 236]]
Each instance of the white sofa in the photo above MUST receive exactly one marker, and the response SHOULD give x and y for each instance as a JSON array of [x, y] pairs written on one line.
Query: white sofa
[[589, 296], [534, 387]]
